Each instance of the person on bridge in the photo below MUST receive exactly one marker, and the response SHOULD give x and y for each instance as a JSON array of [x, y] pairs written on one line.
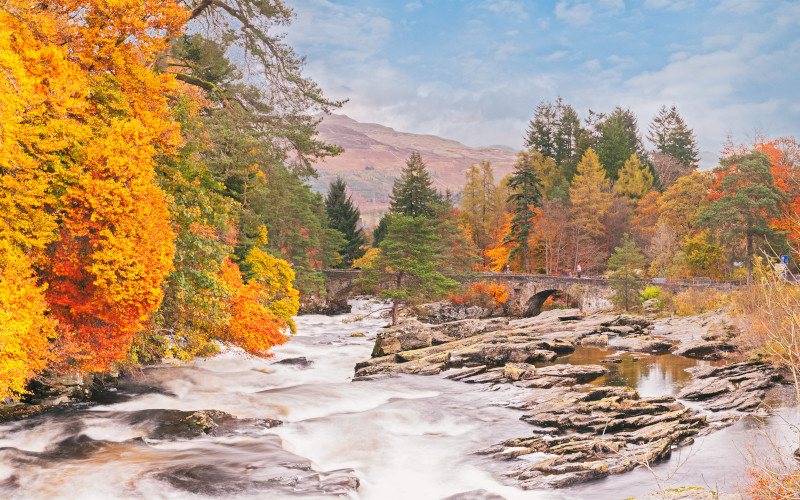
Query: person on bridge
[[579, 270]]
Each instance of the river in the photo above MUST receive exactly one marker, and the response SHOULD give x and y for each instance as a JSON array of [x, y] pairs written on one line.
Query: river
[[404, 437]]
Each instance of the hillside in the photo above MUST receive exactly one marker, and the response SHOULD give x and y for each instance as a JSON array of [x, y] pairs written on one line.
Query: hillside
[[374, 155]]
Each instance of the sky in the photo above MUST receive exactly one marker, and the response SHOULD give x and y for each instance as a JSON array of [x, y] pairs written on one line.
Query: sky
[[474, 71]]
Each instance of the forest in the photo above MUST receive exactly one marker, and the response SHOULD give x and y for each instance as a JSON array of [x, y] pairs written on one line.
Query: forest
[[154, 197]]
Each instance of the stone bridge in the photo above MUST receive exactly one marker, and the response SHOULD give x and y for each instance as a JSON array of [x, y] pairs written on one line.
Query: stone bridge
[[527, 292]]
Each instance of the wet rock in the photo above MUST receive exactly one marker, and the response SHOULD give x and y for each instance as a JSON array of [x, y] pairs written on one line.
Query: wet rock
[[475, 495], [596, 340], [705, 350], [578, 373], [606, 430], [177, 424], [409, 334], [643, 343], [357, 334], [690, 493], [737, 386], [444, 312], [519, 371], [301, 362]]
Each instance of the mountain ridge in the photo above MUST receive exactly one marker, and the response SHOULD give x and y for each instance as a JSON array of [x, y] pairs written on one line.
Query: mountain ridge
[[375, 154]]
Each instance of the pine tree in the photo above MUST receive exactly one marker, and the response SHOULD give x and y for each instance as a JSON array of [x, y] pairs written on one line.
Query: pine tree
[[524, 199], [618, 140], [405, 270], [554, 132], [343, 216], [746, 202], [379, 233], [635, 179], [413, 193], [623, 264], [670, 135]]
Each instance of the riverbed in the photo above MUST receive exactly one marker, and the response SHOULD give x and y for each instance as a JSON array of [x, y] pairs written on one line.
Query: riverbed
[[400, 437]]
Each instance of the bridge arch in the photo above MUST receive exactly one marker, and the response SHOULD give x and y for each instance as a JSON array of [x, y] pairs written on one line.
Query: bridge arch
[[533, 306]]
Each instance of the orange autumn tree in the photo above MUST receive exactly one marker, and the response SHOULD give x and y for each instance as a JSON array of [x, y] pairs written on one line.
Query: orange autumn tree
[[96, 119]]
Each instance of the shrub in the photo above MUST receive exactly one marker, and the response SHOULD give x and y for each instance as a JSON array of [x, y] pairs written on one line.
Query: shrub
[[698, 301]]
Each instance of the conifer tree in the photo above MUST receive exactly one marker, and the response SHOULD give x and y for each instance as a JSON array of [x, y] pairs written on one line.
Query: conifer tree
[[618, 140], [413, 193], [670, 135], [591, 201], [746, 202], [524, 199], [623, 264], [379, 233], [478, 203], [635, 179], [405, 269], [343, 216]]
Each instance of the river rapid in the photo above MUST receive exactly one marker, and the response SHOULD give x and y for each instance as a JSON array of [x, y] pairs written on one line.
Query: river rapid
[[403, 437]]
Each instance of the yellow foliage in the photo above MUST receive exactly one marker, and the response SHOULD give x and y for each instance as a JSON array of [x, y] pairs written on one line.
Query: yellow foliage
[[276, 277], [25, 328], [635, 179], [367, 259]]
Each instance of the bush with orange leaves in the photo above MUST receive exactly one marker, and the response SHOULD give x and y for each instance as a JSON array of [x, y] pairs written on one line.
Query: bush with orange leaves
[[483, 294]]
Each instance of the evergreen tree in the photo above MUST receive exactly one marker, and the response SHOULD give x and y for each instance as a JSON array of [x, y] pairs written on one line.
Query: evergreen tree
[[746, 202], [591, 201], [635, 179], [343, 216], [623, 264], [379, 233], [670, 136], [413, 193], [618, 140], [554, 132], [525, 197], [405, 269]]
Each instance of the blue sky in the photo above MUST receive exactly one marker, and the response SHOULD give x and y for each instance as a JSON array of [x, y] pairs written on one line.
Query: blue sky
[[474, 71]]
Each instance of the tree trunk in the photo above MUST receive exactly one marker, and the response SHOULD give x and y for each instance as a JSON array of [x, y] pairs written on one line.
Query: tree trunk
[[749, 255], [527, 259], [394, 312]]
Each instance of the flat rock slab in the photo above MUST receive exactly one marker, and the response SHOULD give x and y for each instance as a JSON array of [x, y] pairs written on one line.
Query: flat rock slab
[[594, 434]]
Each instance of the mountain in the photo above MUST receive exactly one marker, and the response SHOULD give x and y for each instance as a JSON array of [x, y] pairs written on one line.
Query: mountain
[[374, 155]]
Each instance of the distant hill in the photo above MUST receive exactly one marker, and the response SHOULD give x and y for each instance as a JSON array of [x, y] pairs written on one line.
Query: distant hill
[[374, 155]]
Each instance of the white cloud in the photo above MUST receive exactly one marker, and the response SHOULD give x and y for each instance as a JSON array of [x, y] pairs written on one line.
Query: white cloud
[[511, 8], [740, 6], [577, 15], [673, 5], [413, 6]]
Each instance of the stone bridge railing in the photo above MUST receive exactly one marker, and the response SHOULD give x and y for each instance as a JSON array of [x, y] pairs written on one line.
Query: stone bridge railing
[[527, 292]]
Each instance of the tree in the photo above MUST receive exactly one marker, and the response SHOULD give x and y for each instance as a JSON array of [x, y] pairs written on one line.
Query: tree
[[405, 270], [554, 132], [670, 136], [682, 203], [635, 179], [379, 233], [343, 216], [618, 140], [623, 264], [590, 199], [703, 255], [745, 200], [478, 204], [525, 197], [413, 193], [667, 169]]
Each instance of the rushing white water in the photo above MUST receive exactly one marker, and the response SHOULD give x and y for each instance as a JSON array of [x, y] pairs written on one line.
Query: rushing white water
[[406, 437]]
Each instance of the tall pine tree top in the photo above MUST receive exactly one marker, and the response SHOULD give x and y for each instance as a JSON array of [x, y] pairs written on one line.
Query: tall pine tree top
[[525, 197], [343, 216], [670, 135], [619, 139], [413, 193]]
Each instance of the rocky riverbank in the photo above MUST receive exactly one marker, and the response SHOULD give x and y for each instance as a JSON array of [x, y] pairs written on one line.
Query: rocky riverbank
[[582, 427]]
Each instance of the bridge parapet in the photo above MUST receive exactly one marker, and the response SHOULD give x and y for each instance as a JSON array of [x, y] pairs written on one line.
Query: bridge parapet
[[527, 292]]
